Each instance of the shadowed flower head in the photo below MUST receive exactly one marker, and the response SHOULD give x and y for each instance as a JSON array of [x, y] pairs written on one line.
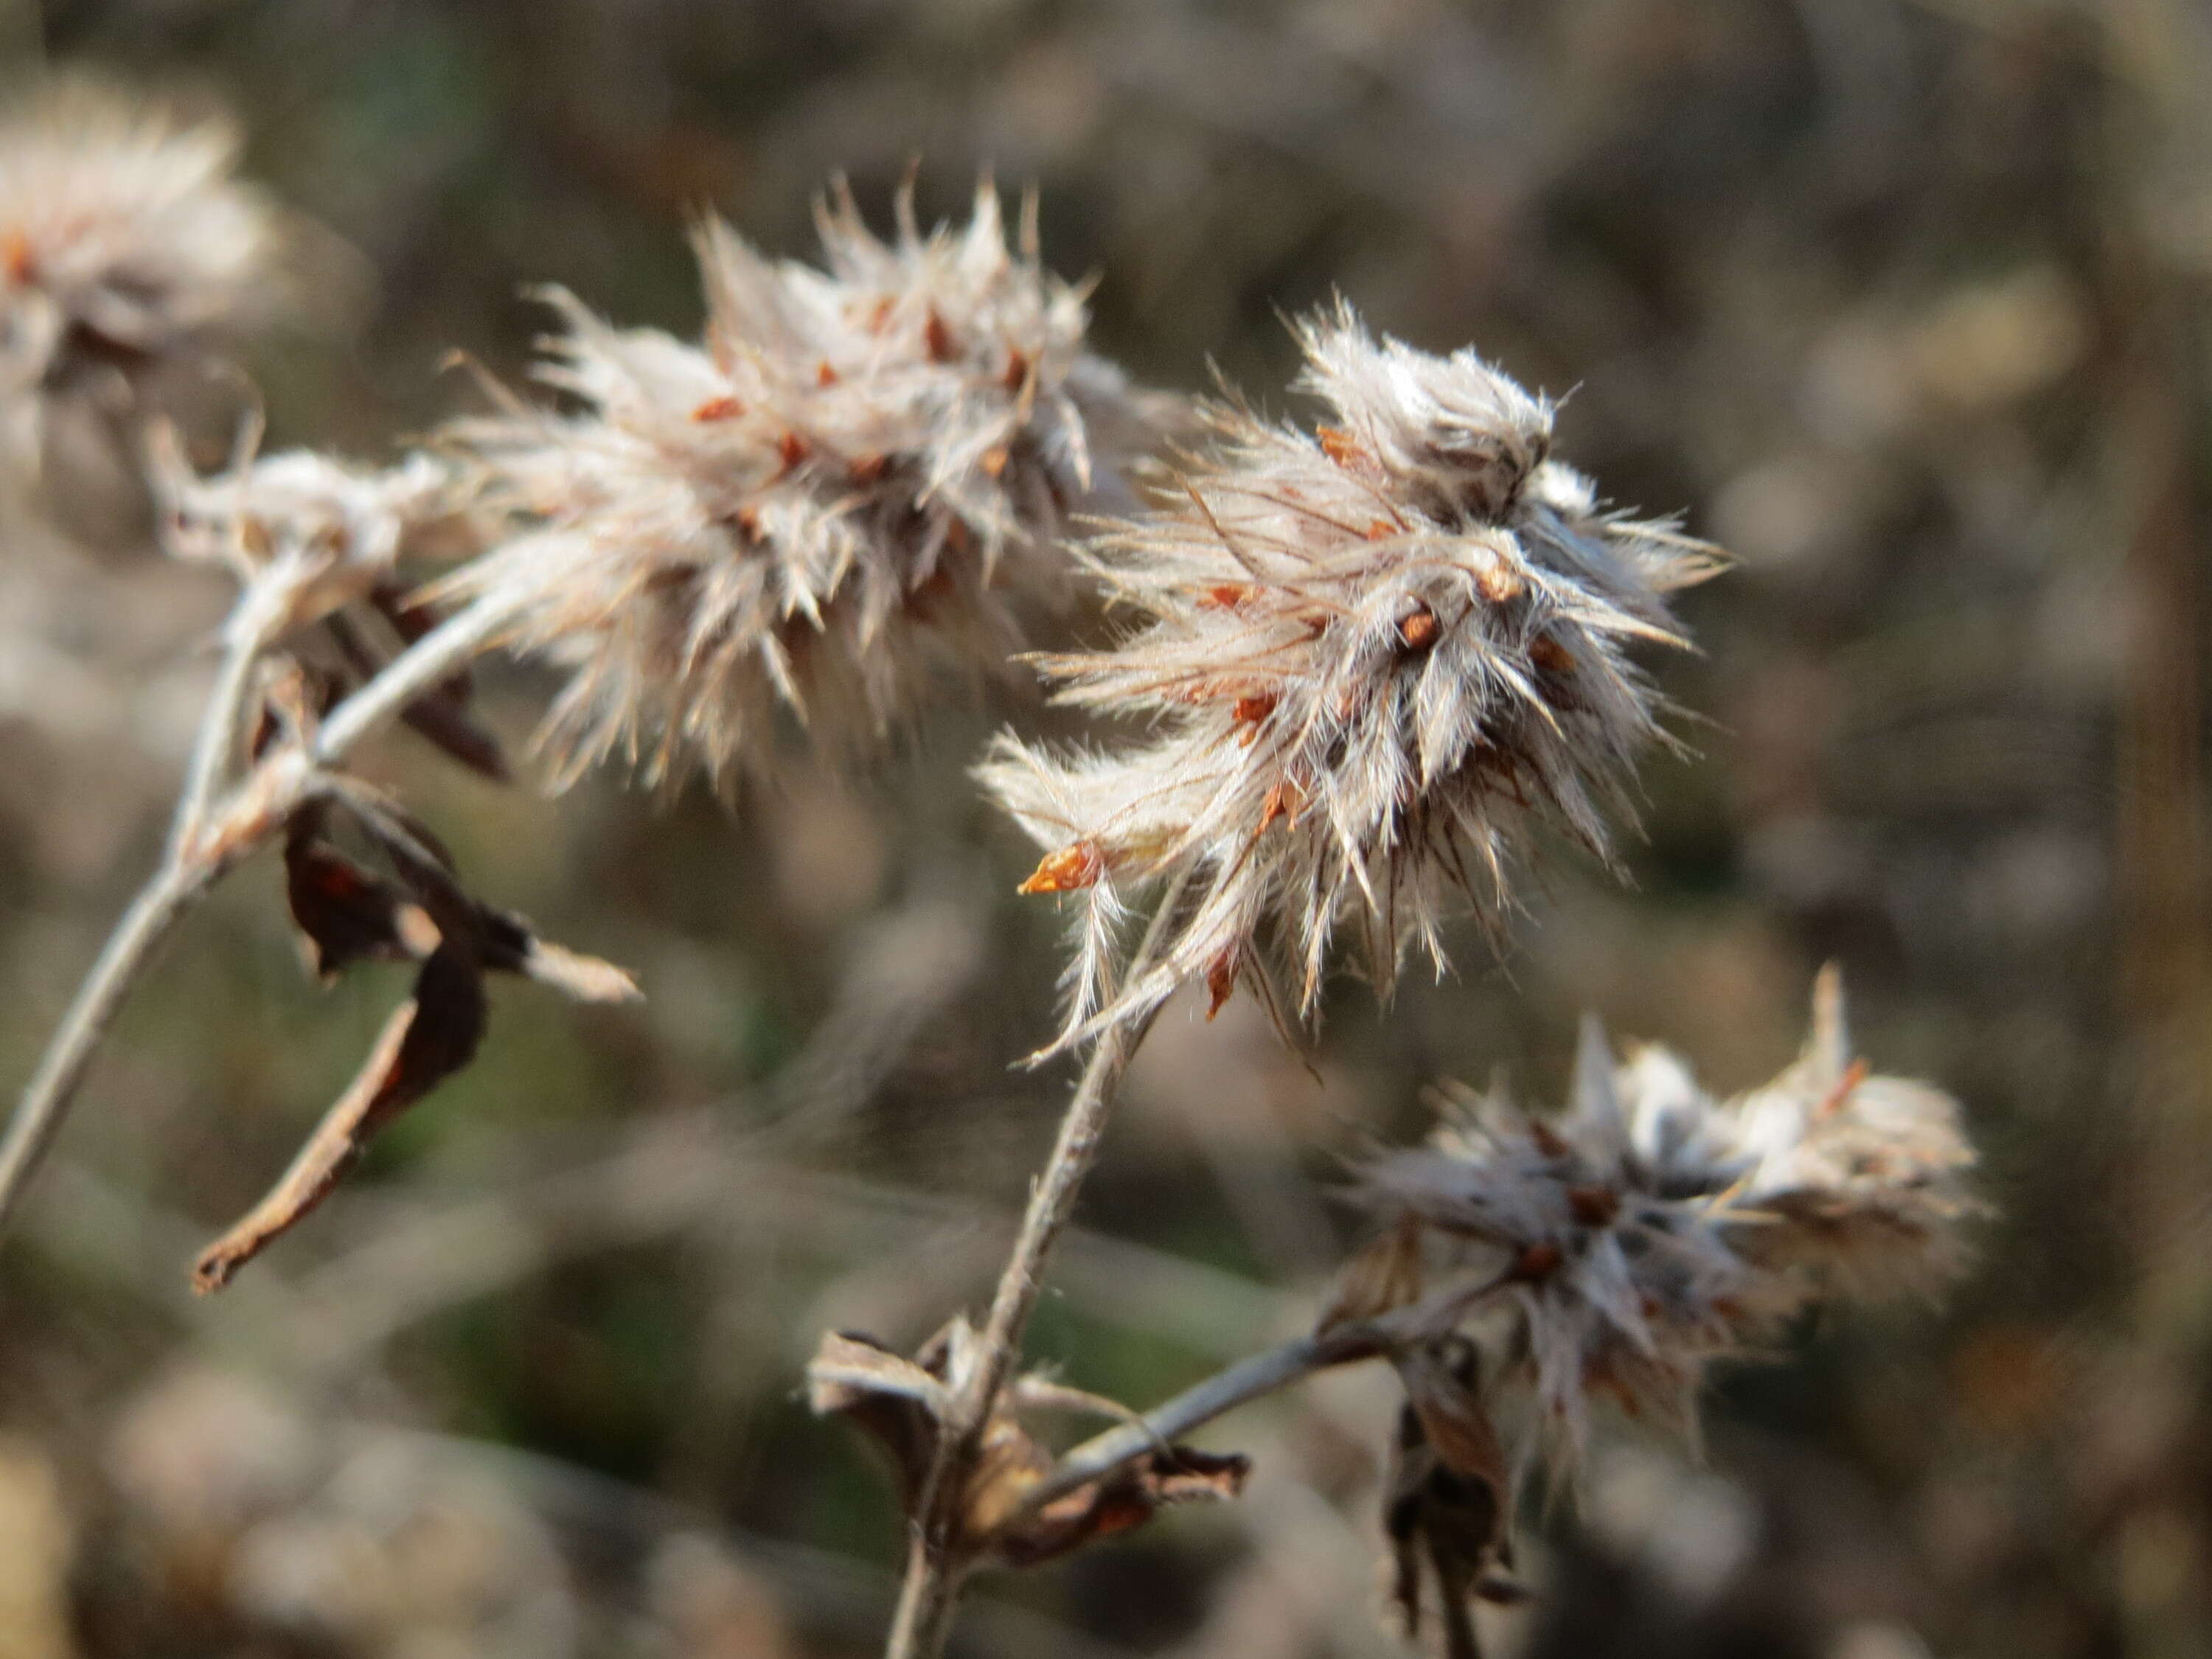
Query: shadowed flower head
[[1373, 654], [125, 239], [854, 479], [1651, 1228]]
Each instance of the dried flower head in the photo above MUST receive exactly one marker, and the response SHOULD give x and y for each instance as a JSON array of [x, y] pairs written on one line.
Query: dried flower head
[[330, 554], [125, 239], [1375, 653], [1651, 1228], [342, 528], [836, 493]]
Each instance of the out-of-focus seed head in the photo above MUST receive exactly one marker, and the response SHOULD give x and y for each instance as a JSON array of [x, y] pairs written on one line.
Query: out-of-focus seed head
[[126, 240], [1651, 1228], [853, 481], [1374, 653]]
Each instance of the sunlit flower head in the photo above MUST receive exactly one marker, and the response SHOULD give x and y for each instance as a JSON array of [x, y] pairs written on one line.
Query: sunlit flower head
[[855, 481], [1374, 655]]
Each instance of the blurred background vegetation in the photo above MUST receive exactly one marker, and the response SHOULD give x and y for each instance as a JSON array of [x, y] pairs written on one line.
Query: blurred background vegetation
[[1902, 300]]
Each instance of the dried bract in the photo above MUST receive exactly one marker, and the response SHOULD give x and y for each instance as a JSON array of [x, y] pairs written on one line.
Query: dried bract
[[901, 1402], [125, 238], [348, 913], [851, 482], [1374, 653], [1448, 1495], [1651, 1228]]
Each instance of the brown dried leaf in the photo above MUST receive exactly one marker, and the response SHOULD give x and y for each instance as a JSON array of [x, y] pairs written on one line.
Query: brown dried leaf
[[1128, 1498], [504, 941], [888, 1396], [1446, 1501], [424, 862], [442, 713], [1442, 1386], [511, 945], [428, 1038], [442, 717], [899, 1402], [346, 914]]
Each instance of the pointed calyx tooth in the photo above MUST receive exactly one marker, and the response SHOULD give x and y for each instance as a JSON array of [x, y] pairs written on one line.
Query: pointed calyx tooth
[[1418, 627], [1077, 865]]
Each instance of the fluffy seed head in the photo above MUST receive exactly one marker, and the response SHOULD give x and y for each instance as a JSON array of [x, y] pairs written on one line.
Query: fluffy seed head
[[855, 478], [1650, 1229], [125, 239], [1373, 654]]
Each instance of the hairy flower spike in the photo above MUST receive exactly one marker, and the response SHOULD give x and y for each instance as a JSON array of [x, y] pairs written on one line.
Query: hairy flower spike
[[1373, 652], [854, 480], [125, 239], [1651, 1228]]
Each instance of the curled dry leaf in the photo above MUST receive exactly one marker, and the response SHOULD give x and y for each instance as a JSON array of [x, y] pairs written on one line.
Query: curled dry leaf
[[900, 1402], [1127, 1498], [432, 1035], [1446, 1502], [347, 912]]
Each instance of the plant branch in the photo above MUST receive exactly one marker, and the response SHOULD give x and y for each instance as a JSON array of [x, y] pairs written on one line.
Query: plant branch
[[206, 840], [935, 1568], [254, 622], [438, 654], [1248, 1379]]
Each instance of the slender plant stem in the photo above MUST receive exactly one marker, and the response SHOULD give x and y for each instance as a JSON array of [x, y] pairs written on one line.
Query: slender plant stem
[[207, 840], [438, 654], [46, 1097], [935, 1567], [1248, 1379], [254, 622]]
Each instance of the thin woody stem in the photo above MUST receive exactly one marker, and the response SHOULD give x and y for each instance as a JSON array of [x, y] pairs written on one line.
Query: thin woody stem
[[1248, 1380], [935, 1567], [46, 1096], [207, 840], [436, 656], [254, 622]]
